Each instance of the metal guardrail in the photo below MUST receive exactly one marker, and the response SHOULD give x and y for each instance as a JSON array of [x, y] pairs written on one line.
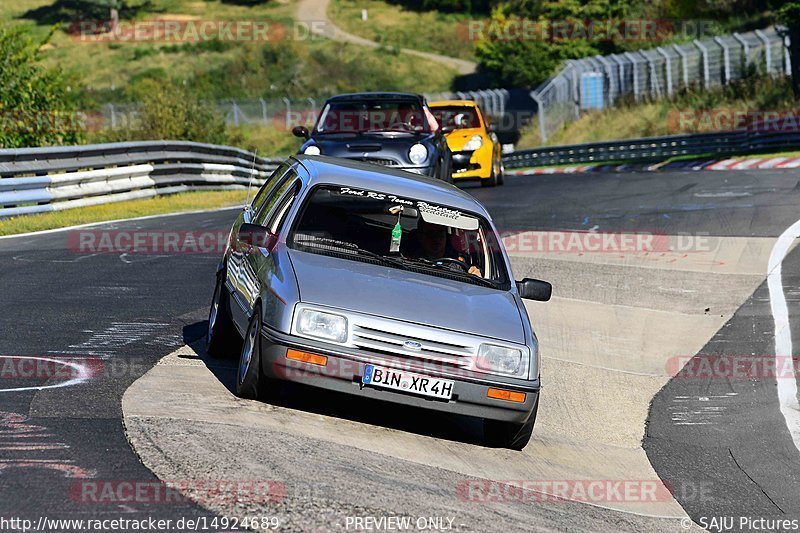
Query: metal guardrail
[[656, 148], [38, 180]]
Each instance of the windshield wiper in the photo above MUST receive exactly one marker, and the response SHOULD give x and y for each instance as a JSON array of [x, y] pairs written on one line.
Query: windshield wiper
[[441, 267], [347, 247]]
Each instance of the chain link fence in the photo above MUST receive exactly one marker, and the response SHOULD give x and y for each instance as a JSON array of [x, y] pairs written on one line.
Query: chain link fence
[[600, 82], [286, 113]]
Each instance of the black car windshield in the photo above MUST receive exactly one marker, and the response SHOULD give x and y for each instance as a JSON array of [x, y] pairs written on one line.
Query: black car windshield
[[363, 116], [402, 233], [457, 117]]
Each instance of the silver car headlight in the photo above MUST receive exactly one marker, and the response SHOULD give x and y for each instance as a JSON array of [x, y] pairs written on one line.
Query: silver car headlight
[[312, 149], [500, 359], [418, 154], [473, 144], [321, 325]]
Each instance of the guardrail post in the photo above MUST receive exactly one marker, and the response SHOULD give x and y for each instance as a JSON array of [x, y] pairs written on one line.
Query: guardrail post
[[768, 49], [540, 113], [726, 58], [706, 71]]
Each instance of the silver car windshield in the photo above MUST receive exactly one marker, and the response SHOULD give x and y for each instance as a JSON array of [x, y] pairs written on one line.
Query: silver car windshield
[[403, 233]]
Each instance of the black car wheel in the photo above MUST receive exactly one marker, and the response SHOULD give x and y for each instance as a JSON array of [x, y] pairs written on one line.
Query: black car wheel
[[501, 172], [222, 339], [499, 434]]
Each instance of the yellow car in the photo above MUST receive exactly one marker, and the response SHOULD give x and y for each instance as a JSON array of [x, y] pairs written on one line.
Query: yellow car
[[476, 151]]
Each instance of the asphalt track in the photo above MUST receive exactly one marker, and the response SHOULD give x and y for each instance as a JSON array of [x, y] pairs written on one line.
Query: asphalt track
[[609, 337]]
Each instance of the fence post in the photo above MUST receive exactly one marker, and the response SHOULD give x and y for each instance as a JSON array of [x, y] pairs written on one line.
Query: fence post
[[706, 71], [726, 56], [636, 88], [235, 109], [112, 115], [620, 73], [787, 59], [612, 84], [764, 39], [313, 104], [668, 62], [264, 116], [684, 63], [540, 112], [745, 48], [655, 89]]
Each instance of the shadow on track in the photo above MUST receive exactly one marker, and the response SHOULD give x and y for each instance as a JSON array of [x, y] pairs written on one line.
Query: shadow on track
[[301, 397]]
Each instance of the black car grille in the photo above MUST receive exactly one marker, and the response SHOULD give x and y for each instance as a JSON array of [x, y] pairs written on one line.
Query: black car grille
[[377, 161]]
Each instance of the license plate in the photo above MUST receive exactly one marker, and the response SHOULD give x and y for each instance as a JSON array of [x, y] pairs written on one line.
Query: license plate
[[389, 378]]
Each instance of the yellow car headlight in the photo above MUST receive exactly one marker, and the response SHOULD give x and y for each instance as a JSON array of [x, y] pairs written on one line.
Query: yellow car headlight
[[473, 144]]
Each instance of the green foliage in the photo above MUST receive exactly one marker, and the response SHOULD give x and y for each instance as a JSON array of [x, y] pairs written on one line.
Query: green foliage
[[171, 111], [789, 14], [36, 107]]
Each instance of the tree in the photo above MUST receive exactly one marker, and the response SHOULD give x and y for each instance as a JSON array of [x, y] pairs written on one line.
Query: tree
[[789, 16], [37, 107]]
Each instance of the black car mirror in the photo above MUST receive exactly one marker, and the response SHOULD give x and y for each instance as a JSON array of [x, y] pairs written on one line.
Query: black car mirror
[[300, 131], [535, 289]]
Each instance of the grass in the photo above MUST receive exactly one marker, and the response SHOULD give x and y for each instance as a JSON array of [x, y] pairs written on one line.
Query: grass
[[390, 24], [104, 67], [188, 201]]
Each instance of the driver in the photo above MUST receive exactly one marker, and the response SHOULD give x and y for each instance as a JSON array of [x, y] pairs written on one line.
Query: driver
[[431, 244]]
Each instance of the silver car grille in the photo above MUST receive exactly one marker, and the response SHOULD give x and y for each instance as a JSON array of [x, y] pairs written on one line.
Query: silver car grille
[[381, 340]]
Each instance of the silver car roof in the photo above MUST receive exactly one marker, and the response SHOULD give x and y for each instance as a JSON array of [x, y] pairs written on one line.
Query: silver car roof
[[368, 176]]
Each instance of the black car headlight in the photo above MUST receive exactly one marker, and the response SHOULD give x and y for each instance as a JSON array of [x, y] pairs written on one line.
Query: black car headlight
[[418, 154]]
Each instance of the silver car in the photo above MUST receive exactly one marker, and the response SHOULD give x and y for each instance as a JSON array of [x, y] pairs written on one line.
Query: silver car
[[378, 283]]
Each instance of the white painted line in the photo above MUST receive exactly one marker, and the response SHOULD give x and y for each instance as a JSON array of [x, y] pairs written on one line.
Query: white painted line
[[90, 224], [83, 373], [787, 386]]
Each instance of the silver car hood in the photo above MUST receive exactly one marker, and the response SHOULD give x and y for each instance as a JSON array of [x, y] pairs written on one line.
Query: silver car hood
[[409, 296]]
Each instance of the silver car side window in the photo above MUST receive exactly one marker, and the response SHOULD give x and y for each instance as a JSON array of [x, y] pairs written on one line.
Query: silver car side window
[[263, 213], [284, 205], [264, 192]]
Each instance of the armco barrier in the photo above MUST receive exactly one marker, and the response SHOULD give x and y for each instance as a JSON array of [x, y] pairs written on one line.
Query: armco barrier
[[37, 180], [719, 144]]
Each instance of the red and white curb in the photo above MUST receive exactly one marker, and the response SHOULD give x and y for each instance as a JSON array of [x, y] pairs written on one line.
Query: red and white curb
[[550, 170], [754, 163]]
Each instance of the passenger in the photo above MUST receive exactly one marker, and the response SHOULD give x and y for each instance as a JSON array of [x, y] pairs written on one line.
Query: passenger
[[429, 241]]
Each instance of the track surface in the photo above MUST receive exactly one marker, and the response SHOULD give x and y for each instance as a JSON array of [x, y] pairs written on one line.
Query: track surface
[[123, 313]]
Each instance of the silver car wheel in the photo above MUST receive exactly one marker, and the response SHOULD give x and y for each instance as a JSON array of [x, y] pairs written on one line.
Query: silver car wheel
[[212, 315], [247, 354]]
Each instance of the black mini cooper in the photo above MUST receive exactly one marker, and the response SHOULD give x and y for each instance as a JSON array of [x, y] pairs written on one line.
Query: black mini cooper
[[392, 129]]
